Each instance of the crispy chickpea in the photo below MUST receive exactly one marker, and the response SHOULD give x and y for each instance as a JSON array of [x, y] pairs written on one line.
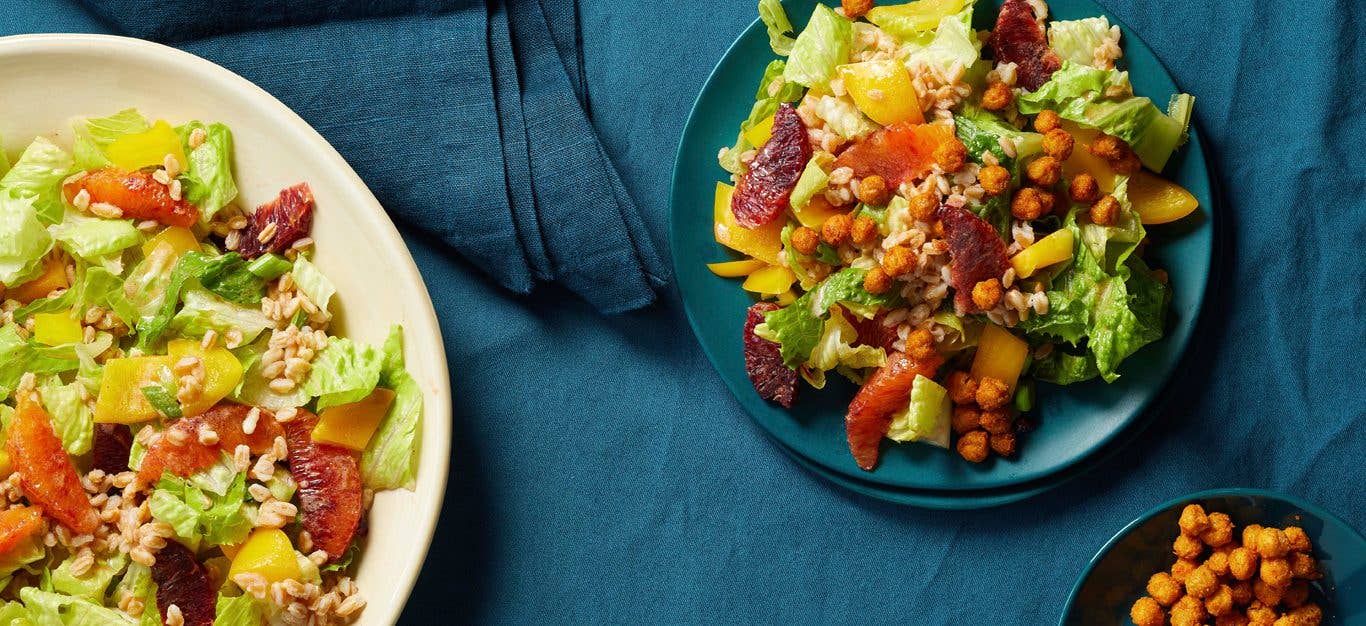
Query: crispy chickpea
[[898, 261], [1187, 547], [835, 230], [1269, 595], [951, 155], [973, 446], [1127, 165], [1058, 144], [1242, 592], [876, 281], [987, 294], [1308, 615], [1164, 588], [997, 421], [1201, 582], [1296, 594], [1003, 444], [1147, 612], [1231, 619], [1303, 566], [1084, 189], [1275, 572], [1047, 120], [1220, 531], [1272, 543], [1105, 211], [1193, 520], [1242, 563], [873, 191], [1260, 615], [1220, 602], [864, 230], [1182, 568], [854, 9], [920, 344], [1030, 203], [992, 393], [1044, 171], [965, 419], [962, 388], [806, 240], [1109, 147], [924, 205], [1299, 541], [997, 96], [1250, 536], [1188, 611], [1218, 563], [995, 179]]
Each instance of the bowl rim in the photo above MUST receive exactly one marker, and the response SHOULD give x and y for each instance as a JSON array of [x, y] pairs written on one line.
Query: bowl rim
[[1254, 492], [434, 453], [1182, 339]]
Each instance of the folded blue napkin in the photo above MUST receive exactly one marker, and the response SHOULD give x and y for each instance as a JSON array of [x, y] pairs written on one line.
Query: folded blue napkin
[[467, 118]]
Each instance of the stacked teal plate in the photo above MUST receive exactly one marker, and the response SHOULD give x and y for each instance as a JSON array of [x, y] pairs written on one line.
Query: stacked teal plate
[[1078, 425]]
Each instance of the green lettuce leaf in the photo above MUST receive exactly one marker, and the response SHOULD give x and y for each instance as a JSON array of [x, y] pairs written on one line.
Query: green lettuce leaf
[[46, 608], [343, 372], [775, 20], [390, 459], [72, 418], [836, 350], [94, 286], [14, 614], [1064, 368], [38, 176], [23, 240], [224, 276], [981, 131], [208, 180], [846, 287], [765, 104], [237, 611], [93, 135], [312, 282], [843, 117], [953, 42], [1078, 93], [796, 328], [94, 239], [4, 163], [926, 417], [1077, 40], [1111, 245], [18, 356], [91, 585], [813, 181], [137, 581], [200, 516], [254, 389], [821, 47]]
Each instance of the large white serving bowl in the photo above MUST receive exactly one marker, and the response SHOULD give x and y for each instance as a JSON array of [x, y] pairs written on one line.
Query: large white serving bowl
[[46, 80]]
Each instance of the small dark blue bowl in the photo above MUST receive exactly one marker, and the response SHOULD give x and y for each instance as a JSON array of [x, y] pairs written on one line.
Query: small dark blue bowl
[[1116, 577]]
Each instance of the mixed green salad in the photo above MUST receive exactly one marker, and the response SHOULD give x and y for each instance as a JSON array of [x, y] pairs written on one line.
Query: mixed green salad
[[945, 215], [187, 438]]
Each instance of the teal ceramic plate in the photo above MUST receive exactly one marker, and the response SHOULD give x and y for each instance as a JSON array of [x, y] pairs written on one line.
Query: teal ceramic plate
[[1116, 576], [1074, 422]]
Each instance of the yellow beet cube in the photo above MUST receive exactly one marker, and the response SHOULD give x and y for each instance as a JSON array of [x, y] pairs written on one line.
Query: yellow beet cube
[[180, 239], [883, 91], [267, 552], [763, 243], [121, 400], [1055, 248], [55, 329], [1000, 355], [352, 425], [222, 372], [150, 147], [758, 134]]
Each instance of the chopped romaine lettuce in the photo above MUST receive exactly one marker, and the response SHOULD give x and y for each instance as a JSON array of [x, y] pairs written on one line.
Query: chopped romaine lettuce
[[254, 389], [390, 459], [72, 418], [38, 176], [952, 43], [92, 584], [821, 47], [94, 239], [18, 356], [237, 611], [926, 417], [343, 372], [201, 517], [846, 287], [813, 181], [4, 163], [773, 90], [842, 116], [798, 327], [1077, 40], [312, 282], [23, 240], [204, 311], [208, 180], [269, 266], [46, 608], [775, 20], [224, 276], [836, 349], [137, 582]]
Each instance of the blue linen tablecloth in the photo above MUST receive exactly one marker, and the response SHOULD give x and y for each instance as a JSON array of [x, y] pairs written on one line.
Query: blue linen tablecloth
[[602, 473]]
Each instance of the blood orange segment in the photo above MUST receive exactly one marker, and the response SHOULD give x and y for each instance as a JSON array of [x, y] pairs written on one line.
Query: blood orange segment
[[277, 224], [330, 506], [976, 253], [765, 190], [45, 471], [19, 524], [1018, 38], [136, 193], [190, 456], [111, 447], [773, 379], [897, 153], [887, 390], [183, 581]]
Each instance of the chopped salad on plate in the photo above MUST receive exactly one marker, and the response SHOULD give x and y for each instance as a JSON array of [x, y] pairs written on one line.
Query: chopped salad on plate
[[946, 216], [187, 438]]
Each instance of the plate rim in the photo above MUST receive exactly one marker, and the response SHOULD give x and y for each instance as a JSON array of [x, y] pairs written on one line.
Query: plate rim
[[1256, 492], [436, 401], [1203, 282]]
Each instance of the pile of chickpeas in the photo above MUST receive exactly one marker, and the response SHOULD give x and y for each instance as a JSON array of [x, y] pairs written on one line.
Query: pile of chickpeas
[[1261, 581], [982, 417]]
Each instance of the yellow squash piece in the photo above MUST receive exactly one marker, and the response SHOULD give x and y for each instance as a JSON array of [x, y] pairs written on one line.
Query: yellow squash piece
[[180, 239], [814, 214], [785, 298], [770, 281], [1000, 355], [55, 329], [150, 147], [222, 372], [53, 277], [736, 269], [267, 552], [352, 425], [1159, 201], [1083, 161], [758, 134], [883, 91], [763, 243], [121, 400], [918, 16], [1055, 248]]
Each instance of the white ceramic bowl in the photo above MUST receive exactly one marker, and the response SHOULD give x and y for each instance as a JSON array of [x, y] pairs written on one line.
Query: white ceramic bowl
[[46, 80]]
